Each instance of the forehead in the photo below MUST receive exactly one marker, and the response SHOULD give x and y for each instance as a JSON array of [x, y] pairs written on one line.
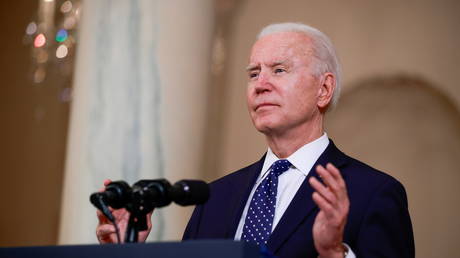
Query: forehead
[[281, 46]]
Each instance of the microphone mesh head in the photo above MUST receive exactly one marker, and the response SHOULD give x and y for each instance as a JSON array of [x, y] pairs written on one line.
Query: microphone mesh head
[[190, 192]]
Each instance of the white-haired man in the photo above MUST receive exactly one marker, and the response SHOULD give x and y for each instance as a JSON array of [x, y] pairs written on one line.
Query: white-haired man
[[304, 197]]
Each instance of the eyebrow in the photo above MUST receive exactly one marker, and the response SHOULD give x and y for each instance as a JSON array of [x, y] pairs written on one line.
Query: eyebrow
[[252, 67], [255, 67]]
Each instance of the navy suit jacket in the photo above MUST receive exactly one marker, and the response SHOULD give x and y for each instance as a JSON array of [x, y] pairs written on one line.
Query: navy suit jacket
[[378, 223]]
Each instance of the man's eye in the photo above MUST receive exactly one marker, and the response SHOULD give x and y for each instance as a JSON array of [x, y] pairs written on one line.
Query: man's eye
[[279, 70], [253, 75]]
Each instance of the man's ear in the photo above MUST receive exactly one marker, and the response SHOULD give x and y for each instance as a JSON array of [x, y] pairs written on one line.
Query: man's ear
[[326, 91]]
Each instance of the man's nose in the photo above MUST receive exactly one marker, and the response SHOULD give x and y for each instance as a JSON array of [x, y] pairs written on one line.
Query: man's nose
[[263, 83]]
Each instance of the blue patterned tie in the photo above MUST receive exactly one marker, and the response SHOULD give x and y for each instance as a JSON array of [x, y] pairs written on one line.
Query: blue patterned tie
[[259, 219]]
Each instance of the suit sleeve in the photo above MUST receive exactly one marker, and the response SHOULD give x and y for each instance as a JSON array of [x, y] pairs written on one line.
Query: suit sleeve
[[386, 229]]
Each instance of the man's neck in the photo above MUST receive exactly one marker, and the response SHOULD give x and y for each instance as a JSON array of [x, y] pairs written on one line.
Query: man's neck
[[283, 145]]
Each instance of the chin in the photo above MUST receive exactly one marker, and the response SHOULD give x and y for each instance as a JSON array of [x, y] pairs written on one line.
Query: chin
[[266, 122], [264, 126]]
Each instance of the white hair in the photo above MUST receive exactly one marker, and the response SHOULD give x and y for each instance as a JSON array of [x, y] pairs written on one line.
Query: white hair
[[323, 51]]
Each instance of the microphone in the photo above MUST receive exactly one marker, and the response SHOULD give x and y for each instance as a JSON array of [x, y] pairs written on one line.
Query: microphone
[[115, 195], [145, 195], [189, 192], [159, 193], [151, 194]]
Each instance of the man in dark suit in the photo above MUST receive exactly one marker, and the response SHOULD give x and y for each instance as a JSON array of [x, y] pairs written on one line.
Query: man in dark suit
[[304, 198], [378, 223]]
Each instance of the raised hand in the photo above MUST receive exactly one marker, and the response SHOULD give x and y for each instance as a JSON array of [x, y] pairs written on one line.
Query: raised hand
[[332, 199]]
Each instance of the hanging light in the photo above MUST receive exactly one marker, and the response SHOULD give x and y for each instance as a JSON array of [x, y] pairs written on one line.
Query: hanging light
[[61, 35], [40, 40]]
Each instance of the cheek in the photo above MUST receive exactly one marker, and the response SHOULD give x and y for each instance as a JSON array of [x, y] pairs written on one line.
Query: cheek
[[249, 98], [302, 100]]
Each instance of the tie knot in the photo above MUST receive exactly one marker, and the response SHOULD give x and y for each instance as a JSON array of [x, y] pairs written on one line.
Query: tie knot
[[280, 166]]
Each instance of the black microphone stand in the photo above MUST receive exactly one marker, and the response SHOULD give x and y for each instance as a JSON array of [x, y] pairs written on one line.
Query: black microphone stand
[[145, 196], [135, 225], [137, 220]]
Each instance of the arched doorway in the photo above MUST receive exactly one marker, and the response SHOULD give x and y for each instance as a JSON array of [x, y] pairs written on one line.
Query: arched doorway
[[407, 128]]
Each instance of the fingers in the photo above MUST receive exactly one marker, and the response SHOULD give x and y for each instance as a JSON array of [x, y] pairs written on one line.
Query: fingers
[[327, 194], [106, 183], [333, 180], [102, 218], [331, 197], [324, 205], [120, 214], [106, 233], [149, 219], [105, 229], [337, 176], [327, 177]]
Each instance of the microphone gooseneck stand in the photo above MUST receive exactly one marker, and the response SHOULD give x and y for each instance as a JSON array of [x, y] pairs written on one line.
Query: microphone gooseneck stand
[[146, 195], [136, 223]]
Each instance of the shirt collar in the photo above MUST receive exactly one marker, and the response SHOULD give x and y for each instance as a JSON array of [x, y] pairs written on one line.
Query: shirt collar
[[302, 159]]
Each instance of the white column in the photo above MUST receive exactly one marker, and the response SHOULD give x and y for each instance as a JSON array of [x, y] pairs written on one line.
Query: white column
[[139, 105]]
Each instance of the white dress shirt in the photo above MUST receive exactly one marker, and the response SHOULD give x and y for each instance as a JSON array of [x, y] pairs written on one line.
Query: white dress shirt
[[290, 181]]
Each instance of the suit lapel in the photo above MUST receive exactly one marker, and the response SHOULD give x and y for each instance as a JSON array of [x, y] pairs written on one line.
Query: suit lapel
[[302, 206], [242, 190]]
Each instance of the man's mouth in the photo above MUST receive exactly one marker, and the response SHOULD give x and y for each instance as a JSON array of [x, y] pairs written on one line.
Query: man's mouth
[[263, 106]]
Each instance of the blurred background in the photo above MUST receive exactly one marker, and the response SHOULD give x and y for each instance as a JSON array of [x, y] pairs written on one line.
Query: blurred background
[[148, 89]]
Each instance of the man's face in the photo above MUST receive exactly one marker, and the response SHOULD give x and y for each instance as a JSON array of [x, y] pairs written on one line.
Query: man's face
[[282, 91]]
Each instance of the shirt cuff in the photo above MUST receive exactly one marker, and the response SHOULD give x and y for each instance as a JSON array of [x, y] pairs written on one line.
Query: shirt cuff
[[350, 253]]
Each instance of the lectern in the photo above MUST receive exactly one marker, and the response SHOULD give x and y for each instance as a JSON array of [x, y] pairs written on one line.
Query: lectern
[[192, 249]]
